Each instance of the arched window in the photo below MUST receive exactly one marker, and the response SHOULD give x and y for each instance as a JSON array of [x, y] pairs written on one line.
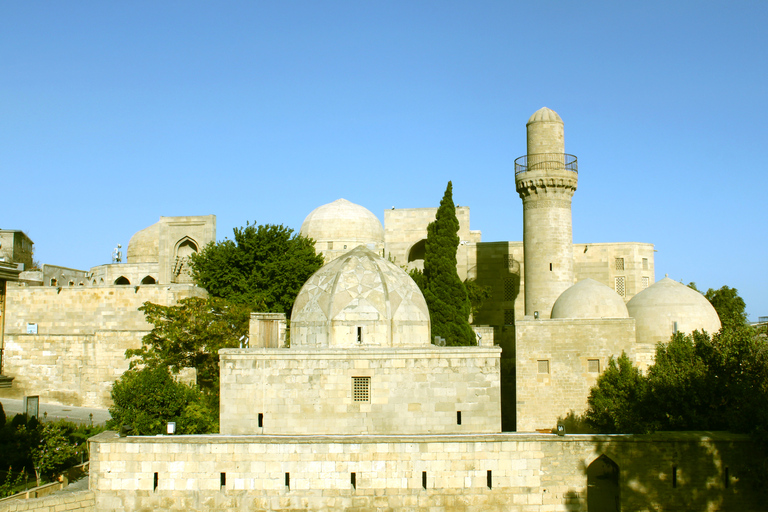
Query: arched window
[[603, 485], [148, 280], [54, 282], [184, 249], [122, 280]]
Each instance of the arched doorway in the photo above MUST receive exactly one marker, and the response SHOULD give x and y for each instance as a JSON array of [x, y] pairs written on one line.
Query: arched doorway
[[603, 486]]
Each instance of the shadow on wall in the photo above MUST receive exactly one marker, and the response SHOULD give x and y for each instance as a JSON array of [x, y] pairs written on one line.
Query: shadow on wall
[[497, 269], [674, 471]]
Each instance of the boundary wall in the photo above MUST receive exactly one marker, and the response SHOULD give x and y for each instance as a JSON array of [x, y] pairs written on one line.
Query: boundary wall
[[511, 472]]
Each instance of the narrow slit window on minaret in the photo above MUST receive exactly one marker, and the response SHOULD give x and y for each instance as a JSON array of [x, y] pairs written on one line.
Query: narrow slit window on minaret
[[550, 267]]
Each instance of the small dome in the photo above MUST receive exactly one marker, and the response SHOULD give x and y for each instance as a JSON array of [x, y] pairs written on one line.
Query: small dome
[[667, 305], [344, 222], [545, 114], [589, 299], [357, 300], [144, 246]]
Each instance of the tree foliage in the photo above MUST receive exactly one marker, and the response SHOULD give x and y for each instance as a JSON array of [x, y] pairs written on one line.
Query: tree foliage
[[189, 335], [264, 267], [446, 296], [147, 400], [729, 306], [617, 402], [697, 382]]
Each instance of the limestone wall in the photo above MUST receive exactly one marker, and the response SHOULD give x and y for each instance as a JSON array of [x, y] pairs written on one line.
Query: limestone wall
[[292, 391], [81, 501], [627, 267], [83, 310], [82, 336], [558, 361], [510, 472]]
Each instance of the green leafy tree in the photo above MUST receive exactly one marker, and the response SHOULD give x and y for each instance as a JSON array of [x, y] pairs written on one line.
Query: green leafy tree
[[53, 453], [147, 400], [729, 306], [189, 335], [446, 296], [264, 267], [477, 295], [617, 402]]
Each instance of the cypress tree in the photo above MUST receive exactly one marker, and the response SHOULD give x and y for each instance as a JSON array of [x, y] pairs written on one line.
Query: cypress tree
[[445, 293]]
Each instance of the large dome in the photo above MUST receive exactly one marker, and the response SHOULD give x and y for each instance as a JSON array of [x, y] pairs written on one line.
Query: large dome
[[589, 299], [358, 300], [144, 246], [668, 305], [343, 223]]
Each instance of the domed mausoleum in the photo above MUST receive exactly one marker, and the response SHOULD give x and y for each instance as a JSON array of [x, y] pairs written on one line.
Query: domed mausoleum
[[144, 246], [589, 299], [340, 226], [667, 307], [360, 299]]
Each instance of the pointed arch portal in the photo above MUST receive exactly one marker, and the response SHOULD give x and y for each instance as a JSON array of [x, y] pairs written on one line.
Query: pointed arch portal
[[603, 486]]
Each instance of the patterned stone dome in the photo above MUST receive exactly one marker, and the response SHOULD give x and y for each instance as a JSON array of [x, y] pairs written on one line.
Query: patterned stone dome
[[358, 300], [589, 299], [666, 304], [144, 246]]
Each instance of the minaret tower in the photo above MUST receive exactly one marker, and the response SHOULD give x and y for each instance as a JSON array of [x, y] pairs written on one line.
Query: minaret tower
[[546, 179]]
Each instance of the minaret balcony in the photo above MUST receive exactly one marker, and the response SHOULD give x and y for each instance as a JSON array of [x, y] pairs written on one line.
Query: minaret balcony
[[546, 162]]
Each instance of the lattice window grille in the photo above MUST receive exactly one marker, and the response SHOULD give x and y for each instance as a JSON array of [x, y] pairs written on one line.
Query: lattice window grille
[[509, 317], [361, 389], [509, 289], [620, 286], [619, 263], [646, 282], [645, 263]]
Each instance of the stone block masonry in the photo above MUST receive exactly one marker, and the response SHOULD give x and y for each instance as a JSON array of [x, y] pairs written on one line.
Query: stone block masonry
[[489, 472], [371, 390]]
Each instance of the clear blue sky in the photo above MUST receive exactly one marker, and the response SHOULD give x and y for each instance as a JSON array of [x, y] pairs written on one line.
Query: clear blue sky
[[115, 113]]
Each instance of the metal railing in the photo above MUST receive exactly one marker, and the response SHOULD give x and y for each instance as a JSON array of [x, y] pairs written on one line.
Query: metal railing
[[546, 162]]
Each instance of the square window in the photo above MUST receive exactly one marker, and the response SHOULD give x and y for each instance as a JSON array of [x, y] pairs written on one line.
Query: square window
[[593, 365], [361, 387], [620, 288], [619, 263], [645, 263], [330, 245], [543, 365]]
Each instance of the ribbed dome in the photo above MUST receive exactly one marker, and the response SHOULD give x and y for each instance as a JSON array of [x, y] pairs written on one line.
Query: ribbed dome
[[144, 246], [360, 299], [544, 114], [589, 299], [657, 308], [345, 222]]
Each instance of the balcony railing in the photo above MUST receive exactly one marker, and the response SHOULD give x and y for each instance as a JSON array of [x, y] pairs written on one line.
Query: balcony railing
[[546, 162]]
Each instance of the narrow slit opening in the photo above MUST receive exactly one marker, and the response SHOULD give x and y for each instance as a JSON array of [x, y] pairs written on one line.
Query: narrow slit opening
[[490, 479], [353, 480], [424, 479], [287, 480], [458, 417], [156, 482], [223, 481], [261, 420]]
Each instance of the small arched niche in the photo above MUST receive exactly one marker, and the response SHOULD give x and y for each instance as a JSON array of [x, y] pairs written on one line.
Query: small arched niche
[[122, 280], [603, 486], [148, 280], [417, 250]]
